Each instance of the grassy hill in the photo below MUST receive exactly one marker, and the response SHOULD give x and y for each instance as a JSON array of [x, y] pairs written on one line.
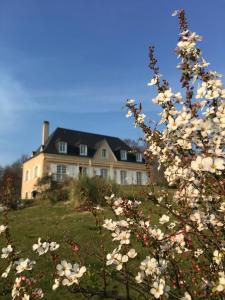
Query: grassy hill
[[60, 223]]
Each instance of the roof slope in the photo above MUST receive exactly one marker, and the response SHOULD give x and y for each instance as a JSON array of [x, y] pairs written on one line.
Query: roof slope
[[74, 138]]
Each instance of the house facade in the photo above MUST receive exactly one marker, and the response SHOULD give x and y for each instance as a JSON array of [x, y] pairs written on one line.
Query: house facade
[[70, 153]]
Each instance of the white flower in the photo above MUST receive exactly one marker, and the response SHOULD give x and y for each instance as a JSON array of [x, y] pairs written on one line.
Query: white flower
[[150, 266], [6, 273], [186, 296], [129, 114], [157, 234], [172, 124], [71, 273], [6, 251], [140, 276], [24, 264], [153, 81], [109, 224], [217, 257], [56, 284], [2, 228], [74, 275], [164, 219], [157, 289], [40, 247], [222, 207], [38, 293], [141, 118], [196, 165], [163, 97], [212, 164], [198, 252], [123, 237], [132, 253], [53, 246], [64, 268], [221, 286], [43, 247], [171, 225], [130, 101], [175, 13]]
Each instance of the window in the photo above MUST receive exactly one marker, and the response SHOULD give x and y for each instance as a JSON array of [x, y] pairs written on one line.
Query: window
[[123, 175], [104, 153], [27, 175], [60, 173], [115, 175], [83, 150], [139, 178], [139, 157], [83, 171], [123, 154], [62, 147], [36, 172], [104, 173]]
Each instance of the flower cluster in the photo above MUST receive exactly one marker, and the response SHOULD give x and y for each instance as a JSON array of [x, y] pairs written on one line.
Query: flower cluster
[[191, 149], [43, 247], [23, 289], [69, 274]]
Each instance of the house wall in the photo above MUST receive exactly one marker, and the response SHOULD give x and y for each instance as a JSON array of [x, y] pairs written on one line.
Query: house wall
[[47, 165], [30, 176]]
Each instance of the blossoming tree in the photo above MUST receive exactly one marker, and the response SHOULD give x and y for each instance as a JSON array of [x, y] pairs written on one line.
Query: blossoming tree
[[181, 255]]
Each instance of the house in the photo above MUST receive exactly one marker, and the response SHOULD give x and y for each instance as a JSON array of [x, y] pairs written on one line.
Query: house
[[70, 153]]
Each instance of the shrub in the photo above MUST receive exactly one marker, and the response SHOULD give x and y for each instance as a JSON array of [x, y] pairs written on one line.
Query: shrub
[[48, 189], [86, 190]]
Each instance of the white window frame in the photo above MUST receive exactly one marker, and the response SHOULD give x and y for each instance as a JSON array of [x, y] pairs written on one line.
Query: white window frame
[[139, 157], [105, 155], [123, 177], [83, 150], [139, 177], [123, 154], [104, 172], [62, 147], [61, 171]]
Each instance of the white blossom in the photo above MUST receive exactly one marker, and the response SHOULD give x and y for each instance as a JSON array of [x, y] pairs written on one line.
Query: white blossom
[[6, 251]]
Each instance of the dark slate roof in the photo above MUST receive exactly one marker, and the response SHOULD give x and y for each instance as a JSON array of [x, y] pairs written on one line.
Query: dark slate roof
[[74, 138]]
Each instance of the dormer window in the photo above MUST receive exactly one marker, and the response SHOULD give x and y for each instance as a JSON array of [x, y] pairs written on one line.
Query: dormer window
[[62, 147], [83, 150], [123, 154], [139, 157], [104, 153]]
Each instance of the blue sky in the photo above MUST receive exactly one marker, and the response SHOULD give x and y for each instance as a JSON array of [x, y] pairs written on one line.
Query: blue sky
[[75, 62]]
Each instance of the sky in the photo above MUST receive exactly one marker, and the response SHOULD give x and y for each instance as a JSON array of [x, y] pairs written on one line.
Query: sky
[[75, 62]]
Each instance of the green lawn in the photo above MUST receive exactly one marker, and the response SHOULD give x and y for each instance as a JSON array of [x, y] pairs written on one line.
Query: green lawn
[[59, 223]]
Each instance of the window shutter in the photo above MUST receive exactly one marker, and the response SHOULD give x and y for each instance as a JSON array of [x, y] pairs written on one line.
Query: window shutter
[[70, 170], [97, 172], [53, 168]]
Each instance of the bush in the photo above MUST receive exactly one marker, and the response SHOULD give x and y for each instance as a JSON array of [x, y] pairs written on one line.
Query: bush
[[93, 190], [47, 189]]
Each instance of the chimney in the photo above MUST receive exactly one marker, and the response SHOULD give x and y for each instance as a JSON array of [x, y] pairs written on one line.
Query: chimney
[[45, 132]]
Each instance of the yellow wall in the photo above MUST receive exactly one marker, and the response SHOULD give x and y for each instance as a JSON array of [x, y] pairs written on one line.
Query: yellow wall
[[28, 182], [45, 160]]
